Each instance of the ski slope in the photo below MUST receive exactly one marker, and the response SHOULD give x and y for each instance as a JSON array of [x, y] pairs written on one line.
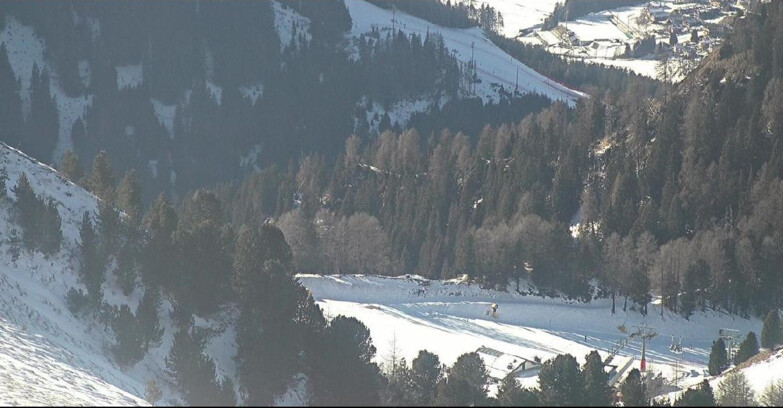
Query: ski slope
[[495, 68], [450, 318]]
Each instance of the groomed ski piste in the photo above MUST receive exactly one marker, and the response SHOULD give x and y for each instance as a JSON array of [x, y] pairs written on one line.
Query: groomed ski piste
[[449, 318], [495, 67]]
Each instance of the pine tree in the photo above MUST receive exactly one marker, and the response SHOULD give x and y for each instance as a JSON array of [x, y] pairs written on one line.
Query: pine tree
[[597, 392], [700, 396], [193, 371], [747, 349], [633, 390], [772, 331], [772, 395], [128, 349], [129, 197], [719, 359], [147, 313], [735, 391], [426, 371], [91, 270], [347, 349], [71, 168], [102, 177], [109, 229], [465, 384], [51, 234], [152, 392], [560, 381], [511, 394]]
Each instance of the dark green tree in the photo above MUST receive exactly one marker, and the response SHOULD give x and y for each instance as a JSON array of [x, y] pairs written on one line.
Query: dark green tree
[[10, 102], [466, 382], [699, 396], [511, 394], [129, 197], [747, 349], [772, 331], [560, 382], [102, 178], [71, 168], [129, 347], [160, 223], [426, 371], [634, 391], [597, 392], [719, 359], [343, 372]]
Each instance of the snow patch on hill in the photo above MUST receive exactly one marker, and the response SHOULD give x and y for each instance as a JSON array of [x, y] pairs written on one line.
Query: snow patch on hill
[[25, 48], [129, 76], [290, 25]]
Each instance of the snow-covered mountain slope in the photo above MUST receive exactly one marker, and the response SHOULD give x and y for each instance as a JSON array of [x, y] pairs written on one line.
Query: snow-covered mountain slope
[[48, 356], [495, 68], [450, 318], [59, 358]]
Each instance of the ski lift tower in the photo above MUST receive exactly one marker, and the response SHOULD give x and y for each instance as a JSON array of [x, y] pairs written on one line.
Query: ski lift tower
[[676, 348], [730, 336], [644, 333]]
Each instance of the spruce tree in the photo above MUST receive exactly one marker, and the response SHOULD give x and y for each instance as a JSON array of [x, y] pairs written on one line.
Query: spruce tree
[[772, 331], [719, 359], [747, 349], [597, 392], [560, 381]]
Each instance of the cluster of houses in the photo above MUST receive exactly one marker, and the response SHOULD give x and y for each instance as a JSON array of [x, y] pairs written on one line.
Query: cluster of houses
[[677, 29]]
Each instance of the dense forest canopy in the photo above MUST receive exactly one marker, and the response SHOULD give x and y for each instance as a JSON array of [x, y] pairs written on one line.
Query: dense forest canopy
[[644, 187]]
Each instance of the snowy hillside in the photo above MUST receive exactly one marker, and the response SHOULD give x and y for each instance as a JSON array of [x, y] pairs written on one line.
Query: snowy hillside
[[496, 70], [450, 318], [62, 359], [48, 356]]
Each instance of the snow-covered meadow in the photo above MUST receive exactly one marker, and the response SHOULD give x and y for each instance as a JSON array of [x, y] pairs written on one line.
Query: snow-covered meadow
[[450, 318]]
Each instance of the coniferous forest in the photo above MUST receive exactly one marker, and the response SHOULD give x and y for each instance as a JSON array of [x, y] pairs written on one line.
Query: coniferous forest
[[642, 188]]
